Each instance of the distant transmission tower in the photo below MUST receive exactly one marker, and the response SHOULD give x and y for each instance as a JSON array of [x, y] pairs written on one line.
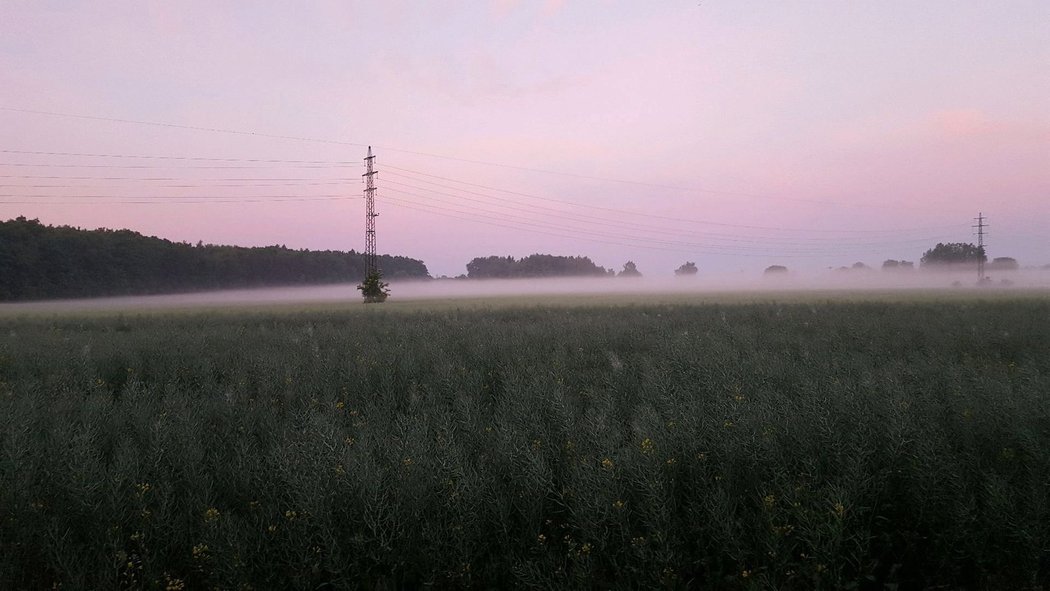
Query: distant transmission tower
[[980, 225], [370, 214]]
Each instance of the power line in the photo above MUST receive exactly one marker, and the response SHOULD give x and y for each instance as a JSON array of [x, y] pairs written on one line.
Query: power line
[[206, 197], [189, 158], [446, 157], [171, 179], [189, 186], [154, 166], [661, 217], [411, 205], [180, 126], [177, 200], [634, 226], [693, 246], [423, 208]]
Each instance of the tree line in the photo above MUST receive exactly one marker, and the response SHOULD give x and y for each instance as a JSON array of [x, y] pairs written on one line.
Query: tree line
[[535, 265], [40, 261]]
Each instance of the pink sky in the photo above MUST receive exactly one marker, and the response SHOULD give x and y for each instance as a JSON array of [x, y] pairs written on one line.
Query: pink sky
[[862, 130]]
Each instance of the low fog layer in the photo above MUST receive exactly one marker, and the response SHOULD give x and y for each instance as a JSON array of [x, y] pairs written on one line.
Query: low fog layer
[[858, 280]]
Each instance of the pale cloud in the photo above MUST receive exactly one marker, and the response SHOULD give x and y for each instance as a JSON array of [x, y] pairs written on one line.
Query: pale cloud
[[975, 123], [552, 7], [502, 8]]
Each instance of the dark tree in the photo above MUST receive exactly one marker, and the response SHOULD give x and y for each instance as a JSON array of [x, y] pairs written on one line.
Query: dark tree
[[688, 269], [630, 270], [373, 289], [953, 254]]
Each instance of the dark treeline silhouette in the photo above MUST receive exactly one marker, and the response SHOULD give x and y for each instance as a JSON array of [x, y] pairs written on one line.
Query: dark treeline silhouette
[[689, 269], [955, 254], [1004, 264], [895, 265], [535, 265], [630, 270], [41, 262]]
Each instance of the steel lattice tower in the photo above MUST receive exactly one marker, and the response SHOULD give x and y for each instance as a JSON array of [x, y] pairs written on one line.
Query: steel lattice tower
[[980, 225], [370, 213]]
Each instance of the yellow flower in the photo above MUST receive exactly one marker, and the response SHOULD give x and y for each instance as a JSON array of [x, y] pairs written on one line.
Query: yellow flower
[[291, 515], [586, 548], [647, 446], [406, 462], [745, 573], [607, 464], [541, 539], [271, 529], [618, 504], [212, 514], [339, 405], [768, 501], [840, 510], [671, 461], [200, 551]]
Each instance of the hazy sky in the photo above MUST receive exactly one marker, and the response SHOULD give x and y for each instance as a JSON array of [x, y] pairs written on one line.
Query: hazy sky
[[736, 134]]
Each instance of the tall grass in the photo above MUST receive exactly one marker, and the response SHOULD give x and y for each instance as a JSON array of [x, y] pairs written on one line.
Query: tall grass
[[767, 445]]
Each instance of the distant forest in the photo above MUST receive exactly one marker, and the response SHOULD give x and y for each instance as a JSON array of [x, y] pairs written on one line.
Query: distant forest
[[38, 261], [535, 265]]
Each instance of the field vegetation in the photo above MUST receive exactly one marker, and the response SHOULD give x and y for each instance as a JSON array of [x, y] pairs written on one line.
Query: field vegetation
[[808, 443]]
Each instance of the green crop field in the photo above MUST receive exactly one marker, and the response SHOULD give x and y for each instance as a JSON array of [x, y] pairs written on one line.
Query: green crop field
[[781, 442]]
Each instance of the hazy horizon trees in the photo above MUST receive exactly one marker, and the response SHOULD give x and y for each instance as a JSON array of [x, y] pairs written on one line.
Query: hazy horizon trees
[[534, 265], [894, 265], [1003, 264], [688, 269], [630, 270], [775, 270], [953, 254]]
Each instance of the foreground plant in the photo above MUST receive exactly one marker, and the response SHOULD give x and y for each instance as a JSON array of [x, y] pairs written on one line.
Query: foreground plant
[[373, 288]]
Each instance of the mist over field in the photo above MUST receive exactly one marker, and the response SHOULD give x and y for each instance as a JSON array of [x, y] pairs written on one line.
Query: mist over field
[[536, 289]]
